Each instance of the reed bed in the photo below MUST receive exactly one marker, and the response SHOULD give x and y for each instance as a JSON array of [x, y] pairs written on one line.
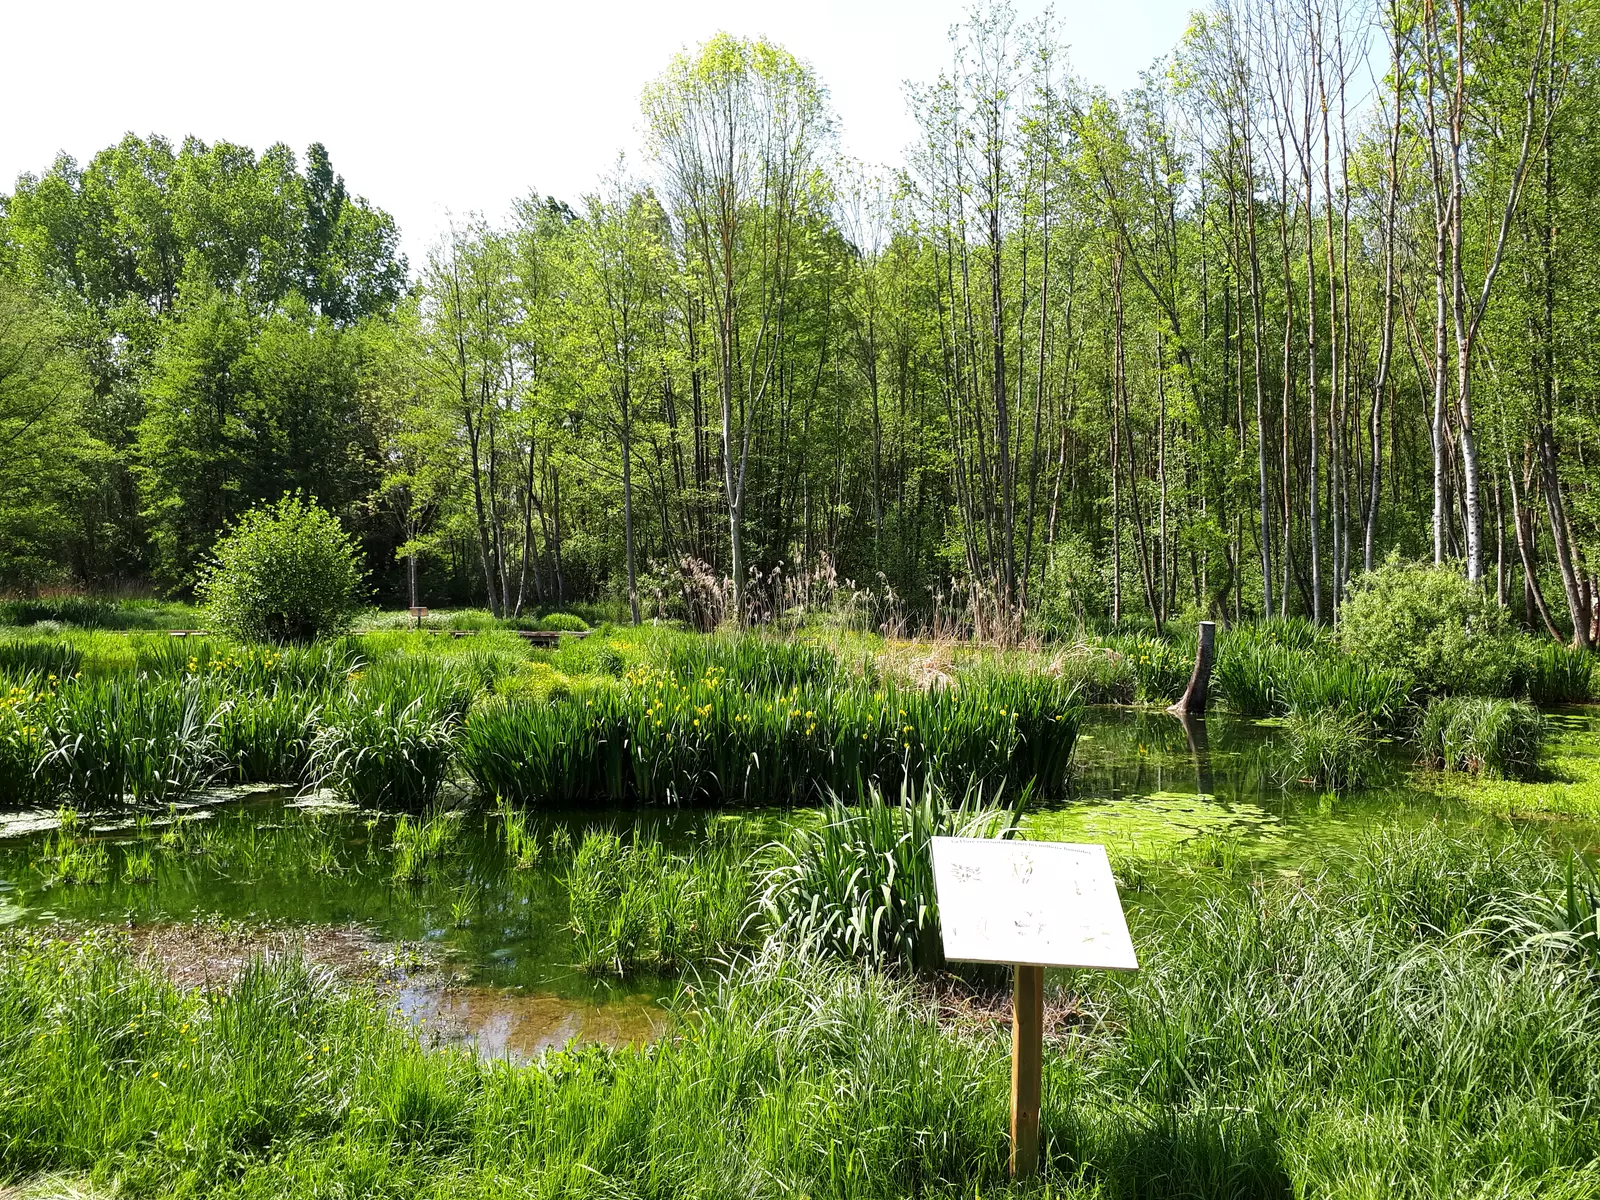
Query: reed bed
[[659, 740]]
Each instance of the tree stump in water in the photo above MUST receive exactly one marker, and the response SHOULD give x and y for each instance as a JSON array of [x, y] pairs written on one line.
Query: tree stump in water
[[1193, 702]]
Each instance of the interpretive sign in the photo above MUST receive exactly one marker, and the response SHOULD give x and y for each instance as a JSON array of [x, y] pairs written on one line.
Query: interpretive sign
[[1047, 904], [1035, 905]]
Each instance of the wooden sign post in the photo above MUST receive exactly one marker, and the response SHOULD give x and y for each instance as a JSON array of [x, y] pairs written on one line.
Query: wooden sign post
[[1031, 905]]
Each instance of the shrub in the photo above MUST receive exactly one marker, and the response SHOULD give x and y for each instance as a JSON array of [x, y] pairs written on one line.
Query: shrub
[[1330, 749], [1430, 624], [861, 884], [287, 572], [1483, 735]]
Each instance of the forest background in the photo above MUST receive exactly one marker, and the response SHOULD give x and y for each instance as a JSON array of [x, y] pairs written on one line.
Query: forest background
[[1320, 290]]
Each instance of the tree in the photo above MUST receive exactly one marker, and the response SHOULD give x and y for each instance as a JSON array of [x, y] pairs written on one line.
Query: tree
[[736, 128]]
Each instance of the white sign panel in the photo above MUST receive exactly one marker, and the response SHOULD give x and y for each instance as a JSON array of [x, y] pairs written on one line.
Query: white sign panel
[[1048, 904]]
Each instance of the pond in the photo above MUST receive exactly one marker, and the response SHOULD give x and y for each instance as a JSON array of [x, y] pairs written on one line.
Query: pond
[[481, 952]]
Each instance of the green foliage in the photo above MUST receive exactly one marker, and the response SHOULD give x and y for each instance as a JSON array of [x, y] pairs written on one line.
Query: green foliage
[[1500, 739], [750, 660], [1376, 696], [635, 905], [1330, 748], [562, 622], [1161, 667], [1556, 674], [421, 846], [1567, 916], [286, 573], [1420, 883], [1249, 676], [39, 657], [1328, 1001], [144, 741], [387, 748], [658, 740], [860, 884], [1431, 626]]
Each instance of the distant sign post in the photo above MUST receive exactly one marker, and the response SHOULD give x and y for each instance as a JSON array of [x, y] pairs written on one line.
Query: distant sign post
[[1031, 905]]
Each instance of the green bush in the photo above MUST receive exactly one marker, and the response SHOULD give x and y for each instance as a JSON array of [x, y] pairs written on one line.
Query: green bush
[[1430, 624], [1483, 735], [287, 572]]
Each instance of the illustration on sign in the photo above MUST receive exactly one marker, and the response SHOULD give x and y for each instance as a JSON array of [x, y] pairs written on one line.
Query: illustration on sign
[[1051, 904]]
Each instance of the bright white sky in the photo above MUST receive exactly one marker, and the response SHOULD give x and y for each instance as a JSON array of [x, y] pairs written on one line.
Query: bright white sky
[[462, 106]]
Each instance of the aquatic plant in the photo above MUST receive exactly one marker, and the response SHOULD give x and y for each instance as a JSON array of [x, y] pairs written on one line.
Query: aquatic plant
[[110, 742], [1329, 748], [563, 622], [386, 747], [1557, 674], [266, 736], [39, 657], [1249, 675], [1483, 735], [752, 660], [520, 838], [1376, 695], [1161, 666], [661, 740], [633, 904], [860, 884], [420, 845]]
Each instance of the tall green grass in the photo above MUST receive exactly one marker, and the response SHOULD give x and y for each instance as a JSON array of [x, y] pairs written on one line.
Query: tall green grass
[[658, 740], [1329, 748], [39, 657], [142, 741], [635, 905], [1556, 674], [756, 661], [1294, 1037], [1483, 735], [860, 885]]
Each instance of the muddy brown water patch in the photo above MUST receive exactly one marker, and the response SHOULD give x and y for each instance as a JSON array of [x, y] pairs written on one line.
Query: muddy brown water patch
[[412, 979]]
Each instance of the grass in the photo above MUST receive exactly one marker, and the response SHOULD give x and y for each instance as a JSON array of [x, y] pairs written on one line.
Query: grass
[[659, 740], [421, 845], [860, 884], [1369, 1030], [1480, 735], [1556, 674], [1329, 749], [637, 906]]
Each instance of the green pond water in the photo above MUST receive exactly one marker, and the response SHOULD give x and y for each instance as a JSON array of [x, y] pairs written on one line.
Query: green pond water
[[496, 953]]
